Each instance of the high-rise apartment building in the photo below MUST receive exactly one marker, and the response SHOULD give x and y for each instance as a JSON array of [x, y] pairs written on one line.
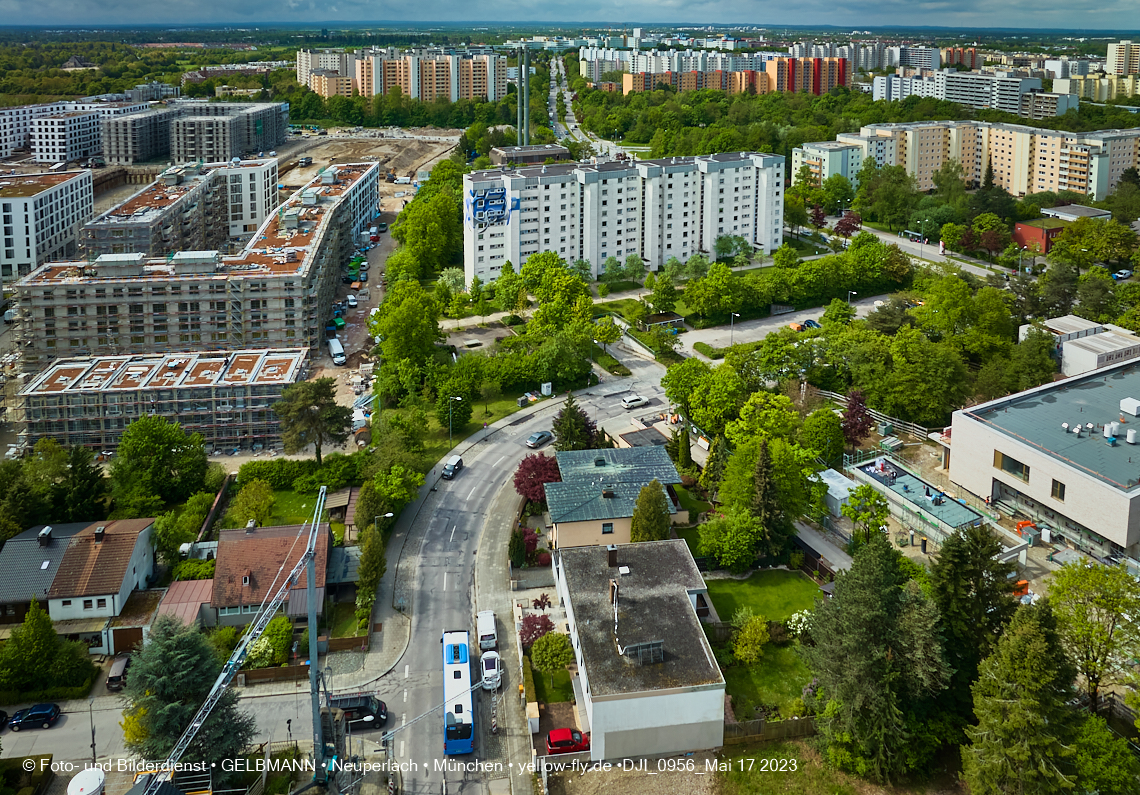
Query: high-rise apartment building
[[330, 84], [194, 130], [657, 209], [137, 137], [918, 57], [1100, 87], [964, 56], [1001, 91], [67, 137], [16, 122], [423, 76], [1024, 159], [805, 75], [1123, 58], [187, 208], [309, 61], [827, 158], [40, 216], [276, 293]]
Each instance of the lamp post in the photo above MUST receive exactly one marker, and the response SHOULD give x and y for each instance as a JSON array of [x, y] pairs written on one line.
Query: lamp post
[[376, 521], [91, 717], [731, 327], [849, 294], [450, 440]]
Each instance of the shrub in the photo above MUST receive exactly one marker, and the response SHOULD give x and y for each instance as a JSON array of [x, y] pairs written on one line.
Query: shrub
[[528, 681], [278, 473], [215, 477], [796, 560], [516, 549], [225, 640], [708, 350], [542, 559], [194, 569], [603, 290], [511, 320], [533, 628]]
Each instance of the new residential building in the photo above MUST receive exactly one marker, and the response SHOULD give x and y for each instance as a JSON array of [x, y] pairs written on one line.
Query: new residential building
[[1123, 58], [137, 137], [67, 137], [657, 209], [1024, 159], [16, 122], [187, 208], [190, 130], [276, 293], [41, 215], [826, 158], [226, 397]]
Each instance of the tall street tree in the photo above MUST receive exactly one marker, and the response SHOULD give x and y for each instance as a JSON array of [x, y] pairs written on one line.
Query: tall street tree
[[170, 678], [572, 427], [1023, 740], [975, 601], [310, 414], [650, 520]]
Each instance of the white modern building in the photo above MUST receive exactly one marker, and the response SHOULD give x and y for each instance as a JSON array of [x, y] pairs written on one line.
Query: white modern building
[[1086, 345], [41, 215], [647, 676], [1002, 91], [825, 158], [67, 137], [1062, 455], [657, 209], [16, 122]]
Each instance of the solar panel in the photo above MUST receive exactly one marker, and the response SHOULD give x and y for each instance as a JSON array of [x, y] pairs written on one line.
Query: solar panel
[[646, 653]]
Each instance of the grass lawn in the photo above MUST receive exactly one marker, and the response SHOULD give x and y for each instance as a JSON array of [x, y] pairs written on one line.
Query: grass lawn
[[692, 537], [289, 507], [608, 362], [778, 679], [562, 690], [436, 440], [623, 285], [620, 306], [805, 248], [811, 776], [689, 502], [342, 621], [773, 593]]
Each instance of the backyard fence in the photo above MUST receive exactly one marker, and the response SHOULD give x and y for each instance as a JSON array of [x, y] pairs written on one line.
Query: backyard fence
[[768, 730], [912, 428], [356, 643]]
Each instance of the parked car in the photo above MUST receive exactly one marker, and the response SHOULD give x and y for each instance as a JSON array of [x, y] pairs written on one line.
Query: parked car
[[812, 324], [352, 302], [567, 741], [492, 666], [1121, 275], [346, 279], [633, 401], [41, 716], [364, 276], [363, 265], [538, 439], [383, 226]]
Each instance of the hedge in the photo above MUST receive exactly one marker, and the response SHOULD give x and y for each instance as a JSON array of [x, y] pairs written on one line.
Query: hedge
[[708, 350], [528, 681], [14, 777], [278, 473], [51, 694]]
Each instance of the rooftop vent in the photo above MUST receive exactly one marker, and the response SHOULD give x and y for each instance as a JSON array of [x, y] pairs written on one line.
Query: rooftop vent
[[45, 536], [611, 555], [100, 531], [599, 462], [607, 493], [251, 525]]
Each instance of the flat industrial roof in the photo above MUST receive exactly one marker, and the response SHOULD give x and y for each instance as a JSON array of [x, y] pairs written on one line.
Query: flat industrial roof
[[21, 186], [655, 580], [1035, 417], [1069, 324], [168, 371], [1107, 342]]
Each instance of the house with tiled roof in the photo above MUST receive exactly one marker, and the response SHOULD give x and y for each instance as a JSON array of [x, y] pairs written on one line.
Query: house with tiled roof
[[28, 564], [254, 562], [594, 502]]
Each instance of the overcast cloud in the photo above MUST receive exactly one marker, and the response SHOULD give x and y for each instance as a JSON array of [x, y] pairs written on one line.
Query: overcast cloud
[[976, 14]]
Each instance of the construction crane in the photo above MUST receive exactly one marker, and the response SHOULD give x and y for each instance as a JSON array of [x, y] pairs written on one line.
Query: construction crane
[[306, 563]]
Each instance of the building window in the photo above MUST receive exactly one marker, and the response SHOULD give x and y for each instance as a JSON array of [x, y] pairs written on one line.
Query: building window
[[101, 603], [1058, 490], [67, 603], [88, 604], [607, 528], [1011, 465]]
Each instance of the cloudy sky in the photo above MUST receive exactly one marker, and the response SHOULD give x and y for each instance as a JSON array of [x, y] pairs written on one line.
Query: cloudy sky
[[969, 14]]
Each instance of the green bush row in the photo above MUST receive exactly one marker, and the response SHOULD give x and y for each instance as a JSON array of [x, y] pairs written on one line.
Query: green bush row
[[50, 694], [528, 681], [708, 350]]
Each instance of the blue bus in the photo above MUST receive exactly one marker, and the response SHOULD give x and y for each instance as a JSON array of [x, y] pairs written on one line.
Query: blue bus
[[458, 703]]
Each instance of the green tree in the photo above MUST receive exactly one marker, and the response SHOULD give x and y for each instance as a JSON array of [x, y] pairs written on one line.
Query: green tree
[[1031, 360], [1023, 740], [451, 413], [1103, 762], [974, 595], [170, 678], [85, 489], [785, 257], [178, 527], [714, 464], [398, 485], [650, 520], [572, 427], [748, 645], [552, 653], [684, 451], [664, 296], [309, 414], [868, 510], [763, 414], [731, 538], [373, 565], [253, 502], [875, 651], [1096, 296], [682, 379], [606, 331], [634, 268], [408, 322], [823, 433], [767, 505], [36, 658], [516, 549], [1095, 607], [156, 457], [795, 215], [717, 399], [838, 313]]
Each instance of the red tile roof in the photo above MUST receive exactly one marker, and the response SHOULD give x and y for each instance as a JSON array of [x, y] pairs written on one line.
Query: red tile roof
[[97, 569], [266, 555], [184, 599]]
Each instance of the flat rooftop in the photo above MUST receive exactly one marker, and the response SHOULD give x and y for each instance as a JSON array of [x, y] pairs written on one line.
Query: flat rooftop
[[1035, 417], [1070, 324], [21, 186], [562, 169], [654, 604], [1046, 223], [919, 492], [168, 371]]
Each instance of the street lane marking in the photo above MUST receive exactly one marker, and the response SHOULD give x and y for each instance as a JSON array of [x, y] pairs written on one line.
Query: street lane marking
[[469, 496], [406, 667], [405, 696], [403, 719], [444, 588], [401, 748], [453, 527], [499, 461]]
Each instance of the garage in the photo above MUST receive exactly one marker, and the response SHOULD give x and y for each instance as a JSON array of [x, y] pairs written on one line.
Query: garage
[[127, 639]]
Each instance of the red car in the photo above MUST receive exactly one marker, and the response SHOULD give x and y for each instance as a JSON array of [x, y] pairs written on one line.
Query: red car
[[567, 741]]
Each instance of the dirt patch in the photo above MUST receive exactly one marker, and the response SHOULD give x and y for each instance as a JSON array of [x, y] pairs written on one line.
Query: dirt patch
[[562, 715], [639, 782]]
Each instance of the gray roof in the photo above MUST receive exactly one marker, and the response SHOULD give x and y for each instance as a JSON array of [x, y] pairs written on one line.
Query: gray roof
[[1034, 418], [23, 573], [653, 605], [619, 465], [344, 565], [586, 502], [1074, 211]]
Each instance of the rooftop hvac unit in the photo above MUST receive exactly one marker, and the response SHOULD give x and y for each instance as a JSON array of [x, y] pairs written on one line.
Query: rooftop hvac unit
[[1130, 406]]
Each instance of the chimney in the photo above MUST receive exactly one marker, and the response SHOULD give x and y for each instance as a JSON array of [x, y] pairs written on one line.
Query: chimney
[[100, 531], [611, 555], [45, 537], [250, 526], [607, 493], [599, 462], [613, 592]]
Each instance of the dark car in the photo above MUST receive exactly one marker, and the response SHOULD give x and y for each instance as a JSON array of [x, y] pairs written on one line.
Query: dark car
[[812, 324], [383, 227], [364, 276], [41, 716], [346, 279], [538, 439], [567, 741]]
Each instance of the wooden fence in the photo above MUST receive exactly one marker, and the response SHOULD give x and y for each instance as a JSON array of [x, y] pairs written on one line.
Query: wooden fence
[[912, 428], [288, 673], [765, 731], [355, 643]]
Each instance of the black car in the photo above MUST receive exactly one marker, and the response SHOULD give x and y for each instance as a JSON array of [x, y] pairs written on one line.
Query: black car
[[41, 716], [346, 279], [364, 276]]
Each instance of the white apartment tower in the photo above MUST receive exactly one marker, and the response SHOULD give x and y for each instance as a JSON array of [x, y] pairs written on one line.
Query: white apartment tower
[[40, 215], [67, 137], [657, 209], [1123, 58]]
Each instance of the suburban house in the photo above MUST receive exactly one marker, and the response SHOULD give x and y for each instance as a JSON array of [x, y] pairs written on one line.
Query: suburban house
[[253, 563], [103, 565], [28, 563], [594, 502], [646, 672]]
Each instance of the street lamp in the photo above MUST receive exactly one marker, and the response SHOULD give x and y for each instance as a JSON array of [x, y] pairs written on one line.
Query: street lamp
[[91, 716], [450, 440], [731, 329], [849, 294], [376, 521]]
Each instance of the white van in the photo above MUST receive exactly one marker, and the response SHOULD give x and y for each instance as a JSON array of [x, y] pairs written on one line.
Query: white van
[[485, 627], [337, 351]]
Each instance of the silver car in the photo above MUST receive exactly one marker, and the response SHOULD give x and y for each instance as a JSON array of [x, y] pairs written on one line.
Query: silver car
[[492, 667]]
